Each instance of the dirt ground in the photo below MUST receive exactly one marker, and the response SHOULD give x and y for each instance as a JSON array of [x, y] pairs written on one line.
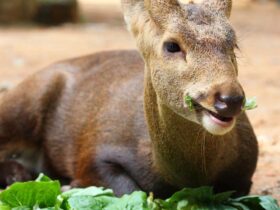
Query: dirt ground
[[26, 49]]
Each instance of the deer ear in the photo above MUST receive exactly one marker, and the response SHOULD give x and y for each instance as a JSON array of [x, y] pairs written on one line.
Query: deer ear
[[132, 9], [223, 6], [160, 11]]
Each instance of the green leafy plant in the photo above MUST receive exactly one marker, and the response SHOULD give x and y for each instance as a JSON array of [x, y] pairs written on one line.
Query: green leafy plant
[[45, 194]]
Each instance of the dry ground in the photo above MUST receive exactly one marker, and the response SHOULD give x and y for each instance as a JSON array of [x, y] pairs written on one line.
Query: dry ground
[[24, 50]]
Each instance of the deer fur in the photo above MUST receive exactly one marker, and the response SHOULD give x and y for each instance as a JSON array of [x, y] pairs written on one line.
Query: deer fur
[[88, 119]]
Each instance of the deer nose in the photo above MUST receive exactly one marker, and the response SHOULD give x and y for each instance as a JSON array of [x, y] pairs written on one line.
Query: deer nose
[[229, 106]]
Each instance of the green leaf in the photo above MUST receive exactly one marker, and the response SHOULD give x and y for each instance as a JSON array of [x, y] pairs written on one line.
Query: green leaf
[[267, 202], [239, 206], [90, 191], [153, 204], [86, 202], [197, 198], [97, 201], [259, 202], [43, 178], [88, 198], [135, 201], [189, 102], [222, 197], [4, 207], [194, 195], [29, 194], [44, 194], [49, 208], [250, 104], [22, 208]]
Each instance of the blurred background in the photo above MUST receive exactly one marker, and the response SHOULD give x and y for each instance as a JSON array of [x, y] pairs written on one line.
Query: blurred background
[[36, 33]]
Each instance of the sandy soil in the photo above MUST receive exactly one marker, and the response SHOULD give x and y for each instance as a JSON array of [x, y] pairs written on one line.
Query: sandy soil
[[26, 49]]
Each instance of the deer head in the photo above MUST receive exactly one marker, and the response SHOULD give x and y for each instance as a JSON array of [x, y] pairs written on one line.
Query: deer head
[[189, 51]]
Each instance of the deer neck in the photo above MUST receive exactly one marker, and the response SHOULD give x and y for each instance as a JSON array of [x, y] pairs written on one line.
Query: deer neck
[[183, 152]]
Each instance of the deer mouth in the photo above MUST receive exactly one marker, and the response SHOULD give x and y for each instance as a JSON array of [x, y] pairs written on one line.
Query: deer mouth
[[220, 120], [217, 118], [214, 122]]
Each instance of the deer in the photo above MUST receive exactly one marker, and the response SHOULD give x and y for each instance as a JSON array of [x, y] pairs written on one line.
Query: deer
[[119, 119]]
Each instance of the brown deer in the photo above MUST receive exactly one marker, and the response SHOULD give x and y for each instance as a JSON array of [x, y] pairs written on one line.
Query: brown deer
[[88, 119]]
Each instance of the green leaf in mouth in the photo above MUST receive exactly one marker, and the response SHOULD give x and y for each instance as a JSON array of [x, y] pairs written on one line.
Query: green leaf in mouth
[[250, 104], [189, 102]]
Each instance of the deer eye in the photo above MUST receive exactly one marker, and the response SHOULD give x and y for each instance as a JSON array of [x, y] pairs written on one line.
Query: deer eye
[[172, 47]]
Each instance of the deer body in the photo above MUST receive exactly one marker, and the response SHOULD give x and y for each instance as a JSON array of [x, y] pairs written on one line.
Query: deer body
[[111, 119]]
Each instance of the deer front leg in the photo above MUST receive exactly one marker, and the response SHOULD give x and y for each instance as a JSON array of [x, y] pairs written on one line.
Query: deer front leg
[[23, 112], [236, 180], [12, 171], [110, 175], [18, 161], [110, 168], [118, 178]]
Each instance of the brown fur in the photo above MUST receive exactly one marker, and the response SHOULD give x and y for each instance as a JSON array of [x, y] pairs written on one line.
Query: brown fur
[[87, 116]]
